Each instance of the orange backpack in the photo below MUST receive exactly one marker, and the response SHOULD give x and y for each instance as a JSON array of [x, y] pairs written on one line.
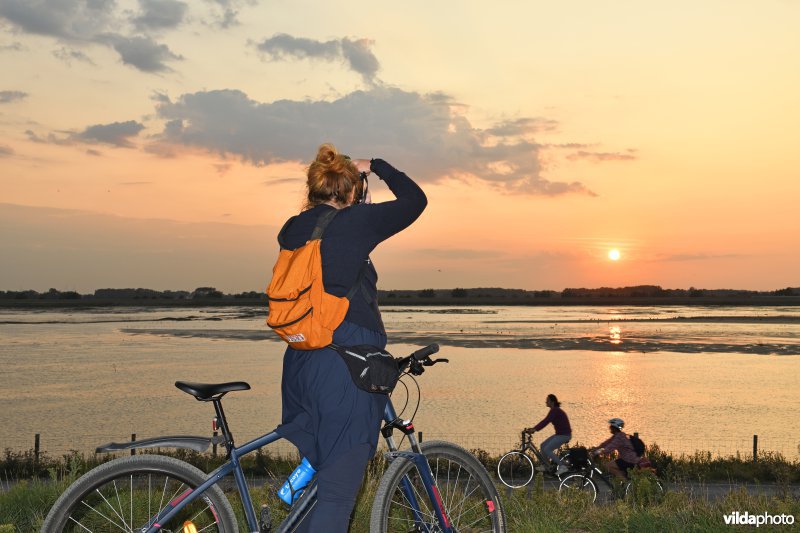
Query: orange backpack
[[300, 311]]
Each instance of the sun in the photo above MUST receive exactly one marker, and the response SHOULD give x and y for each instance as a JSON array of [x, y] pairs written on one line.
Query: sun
[[614, 254]]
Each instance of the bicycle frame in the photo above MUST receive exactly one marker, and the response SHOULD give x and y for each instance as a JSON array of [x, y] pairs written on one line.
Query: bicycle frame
[[528, 445], [231, 466], [392, 422], [591, 468]]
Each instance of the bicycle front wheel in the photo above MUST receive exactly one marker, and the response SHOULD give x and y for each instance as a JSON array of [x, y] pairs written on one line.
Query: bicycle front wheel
[[515, 469], [466, 491], [578, 484], [125, 494]]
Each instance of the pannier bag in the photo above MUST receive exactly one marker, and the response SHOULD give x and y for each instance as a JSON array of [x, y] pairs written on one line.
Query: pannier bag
[[300, 311], [372, 369], [577, 457]]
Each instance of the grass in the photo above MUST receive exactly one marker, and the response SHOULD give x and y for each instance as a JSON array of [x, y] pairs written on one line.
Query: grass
[[23, 507], [35, 484]]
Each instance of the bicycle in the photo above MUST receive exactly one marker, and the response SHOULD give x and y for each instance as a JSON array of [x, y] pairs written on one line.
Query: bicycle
[[582, 479], [516, 468], [433, 487]]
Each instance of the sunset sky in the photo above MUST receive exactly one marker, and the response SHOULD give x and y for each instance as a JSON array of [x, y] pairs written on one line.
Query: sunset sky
[[161, 143]]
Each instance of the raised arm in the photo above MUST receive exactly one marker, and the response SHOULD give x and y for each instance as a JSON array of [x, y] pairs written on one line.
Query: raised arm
[[388, 218], [546, 420]]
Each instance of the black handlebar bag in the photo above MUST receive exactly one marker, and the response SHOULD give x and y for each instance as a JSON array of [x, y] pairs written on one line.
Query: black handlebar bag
[[372, 369]]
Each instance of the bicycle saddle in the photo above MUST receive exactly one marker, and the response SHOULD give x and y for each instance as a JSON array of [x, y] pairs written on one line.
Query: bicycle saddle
[[207, 391]]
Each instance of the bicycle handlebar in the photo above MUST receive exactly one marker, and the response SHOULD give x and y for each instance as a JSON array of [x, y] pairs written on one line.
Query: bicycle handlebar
[[420, 358], [422, 353]]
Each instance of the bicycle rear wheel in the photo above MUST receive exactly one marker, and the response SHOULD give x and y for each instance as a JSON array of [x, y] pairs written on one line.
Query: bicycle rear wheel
[[515, 469], [578, 484], [467, 493], [648, 489], [125, 494]]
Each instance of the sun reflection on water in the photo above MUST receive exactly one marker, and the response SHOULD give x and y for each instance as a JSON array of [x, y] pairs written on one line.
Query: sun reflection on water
[[615, 334]]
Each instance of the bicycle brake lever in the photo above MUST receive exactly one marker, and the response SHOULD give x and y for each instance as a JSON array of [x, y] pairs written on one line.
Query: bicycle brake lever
[[431, 362], [416, 369]]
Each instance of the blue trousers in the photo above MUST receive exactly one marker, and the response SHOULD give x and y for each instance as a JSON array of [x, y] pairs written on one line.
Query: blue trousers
[[552, 442], [337, 487], [333, 423]]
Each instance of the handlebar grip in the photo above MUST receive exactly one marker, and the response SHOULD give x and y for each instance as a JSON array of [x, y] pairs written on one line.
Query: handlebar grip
[[422, 353]]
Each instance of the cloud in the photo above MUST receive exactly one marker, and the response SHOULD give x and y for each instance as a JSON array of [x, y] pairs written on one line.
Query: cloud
[[86, 22], [598, 157], [573, 146], [281, 181], [6, 151], [50, 139], [12, 96], [421, 133], [159, 15], [356, 54], [93, 152], [227, 14], [698, 257], [522, 126], [68, 55], [77, 20], [142, 53], [116, 133], [16, 46]]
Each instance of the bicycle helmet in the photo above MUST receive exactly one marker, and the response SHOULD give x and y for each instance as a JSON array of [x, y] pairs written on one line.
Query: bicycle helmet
[[617, 423]]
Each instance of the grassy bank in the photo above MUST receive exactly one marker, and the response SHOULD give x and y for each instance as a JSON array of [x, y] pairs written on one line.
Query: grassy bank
[[35, 483], [23, 507]]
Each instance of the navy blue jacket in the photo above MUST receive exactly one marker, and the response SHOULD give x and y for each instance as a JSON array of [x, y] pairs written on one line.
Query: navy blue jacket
[[353, 234]]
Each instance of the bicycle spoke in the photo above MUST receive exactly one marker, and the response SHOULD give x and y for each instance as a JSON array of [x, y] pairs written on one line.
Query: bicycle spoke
[[464, 500], [120, 513], [163, 493], [131, 487], [109, 520], [149, 497], [84, 527], [424, 513], [108, 503], [453, 511]]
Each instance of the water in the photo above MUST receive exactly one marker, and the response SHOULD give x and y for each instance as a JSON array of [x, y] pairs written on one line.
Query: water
[[685, 377]]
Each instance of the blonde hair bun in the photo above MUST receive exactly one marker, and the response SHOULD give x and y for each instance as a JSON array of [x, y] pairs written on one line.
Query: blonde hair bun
[[327, 154], [331, 176]]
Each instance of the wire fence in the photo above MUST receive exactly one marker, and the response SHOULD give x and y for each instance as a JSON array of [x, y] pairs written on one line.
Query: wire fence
[[743, 446], [495, 444]]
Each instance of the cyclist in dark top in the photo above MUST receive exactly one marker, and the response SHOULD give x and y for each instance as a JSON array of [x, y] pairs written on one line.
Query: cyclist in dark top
[[563, 434], [333, 423]]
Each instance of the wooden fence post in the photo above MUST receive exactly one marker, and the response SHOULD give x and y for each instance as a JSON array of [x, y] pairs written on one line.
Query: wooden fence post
[[36, 449], [755, 448], [133, 439]]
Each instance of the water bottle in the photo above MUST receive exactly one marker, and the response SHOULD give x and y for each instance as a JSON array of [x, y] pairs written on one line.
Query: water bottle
[[293, 487]]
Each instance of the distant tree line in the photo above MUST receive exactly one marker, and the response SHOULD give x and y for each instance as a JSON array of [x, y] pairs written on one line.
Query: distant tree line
[[211, 293], [650, 291], [200, 293]]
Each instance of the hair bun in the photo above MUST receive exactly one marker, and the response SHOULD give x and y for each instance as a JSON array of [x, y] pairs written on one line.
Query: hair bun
[[327, 154]]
